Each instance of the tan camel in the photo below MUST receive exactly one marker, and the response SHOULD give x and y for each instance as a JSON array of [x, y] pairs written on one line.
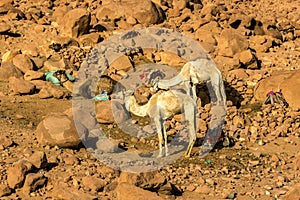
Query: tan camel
[[161, 106], [202, 70]]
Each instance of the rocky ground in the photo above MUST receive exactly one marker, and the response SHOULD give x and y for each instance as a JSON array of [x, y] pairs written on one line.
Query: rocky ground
[[255, 44]]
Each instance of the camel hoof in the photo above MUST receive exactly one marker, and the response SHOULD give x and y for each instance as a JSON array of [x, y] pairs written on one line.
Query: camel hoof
[[159, 156]]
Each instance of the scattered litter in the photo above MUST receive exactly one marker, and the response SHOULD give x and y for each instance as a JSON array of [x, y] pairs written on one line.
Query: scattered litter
[[102, 96], [57, 77], [275, 97], [208, 161]]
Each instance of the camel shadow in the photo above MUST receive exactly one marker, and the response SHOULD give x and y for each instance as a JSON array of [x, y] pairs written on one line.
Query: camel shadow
[[231, 94]]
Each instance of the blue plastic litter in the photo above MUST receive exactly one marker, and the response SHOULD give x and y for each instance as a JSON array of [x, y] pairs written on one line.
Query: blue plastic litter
[[51, 77], [102, 96]]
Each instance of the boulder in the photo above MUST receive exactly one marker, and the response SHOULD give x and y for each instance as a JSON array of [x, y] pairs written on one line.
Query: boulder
[[93, 183], [144, 12], [288, 82], [231, 42], [16, 174], [247, 59], [226, 64], [75, 22], [149, 180], [38, 159], [33, 75], [20, 86], [23, 62], [122, 63], [8, 70], [127, 191], [290, 88], [4, 190], [205, 36], [110, 111], [57, 129], [33, 181]]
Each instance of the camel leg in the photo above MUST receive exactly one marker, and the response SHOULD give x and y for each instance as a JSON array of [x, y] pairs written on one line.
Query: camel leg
[[166, 139], [157, 122], [190, 116], [194, 92]]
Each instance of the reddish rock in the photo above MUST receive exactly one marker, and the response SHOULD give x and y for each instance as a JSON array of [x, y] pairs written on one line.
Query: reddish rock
[[33, 181], [4, 28], [149, 180], [248, 59], [8, 70], [297, 162], [33, 75], [63, 192], [20, 86], [76, 22], [205, 36], [110, 111], [126, 191], [6, 141], [287, 81], [57, 129], [122, 63], [16, 174], [93, 183], [23, 62], [293, 194], [4, 190], [145, 12], [38, 159], [231, 42]]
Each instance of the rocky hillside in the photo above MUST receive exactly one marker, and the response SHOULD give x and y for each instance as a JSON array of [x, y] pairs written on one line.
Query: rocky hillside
[[256, 46]]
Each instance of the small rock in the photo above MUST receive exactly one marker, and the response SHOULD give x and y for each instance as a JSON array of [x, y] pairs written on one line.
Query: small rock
[[294, 193], [203, 189], [33, 75], [16, 174], [33, 181], [8, 70], [297, 162], [93, 183], [122, 63], [62, 191], [127, 191], [149, 180], [110, 111], [23, 62], [20, 86], [6, 141], [75, 22], [57, 129], [4, 28], [247, 59], [4, 190], [231, 42], [38, 159]]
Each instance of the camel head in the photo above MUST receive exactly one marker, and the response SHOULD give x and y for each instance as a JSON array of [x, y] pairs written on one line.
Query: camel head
[[128, 97]]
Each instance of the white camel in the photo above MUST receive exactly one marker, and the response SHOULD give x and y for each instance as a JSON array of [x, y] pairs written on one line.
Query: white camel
[[202, 70], [161, 106]]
